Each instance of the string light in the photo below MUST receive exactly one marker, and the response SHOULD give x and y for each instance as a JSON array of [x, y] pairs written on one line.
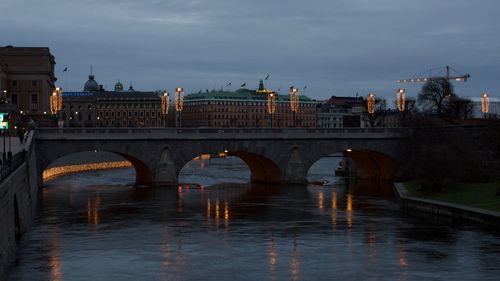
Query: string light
[[294, 99], [179, 99], [69, 169], [485, 103], [401, 99], [56, 101], [164, 103], [371, 103], [271, 103]]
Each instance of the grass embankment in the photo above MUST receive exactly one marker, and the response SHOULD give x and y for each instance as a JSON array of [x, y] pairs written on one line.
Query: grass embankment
[[477, 195]]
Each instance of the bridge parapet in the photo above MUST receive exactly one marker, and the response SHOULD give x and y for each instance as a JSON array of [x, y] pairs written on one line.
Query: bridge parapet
[[219, 133]]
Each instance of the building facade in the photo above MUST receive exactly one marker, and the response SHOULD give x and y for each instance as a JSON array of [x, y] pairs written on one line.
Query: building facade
[[341, 112], [245, 108], [96, 107], [27, 73]]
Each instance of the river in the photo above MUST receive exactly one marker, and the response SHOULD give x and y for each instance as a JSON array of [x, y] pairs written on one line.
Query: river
[[217, 226]]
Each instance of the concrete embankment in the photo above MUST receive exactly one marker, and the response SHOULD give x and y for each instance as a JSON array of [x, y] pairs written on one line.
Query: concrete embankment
[[456, 212], [18, 201]]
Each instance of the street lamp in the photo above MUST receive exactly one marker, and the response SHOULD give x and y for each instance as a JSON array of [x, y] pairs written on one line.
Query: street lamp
[[401, 99], [294, 103], [485, 103], [271, 105], [56, 103], [179, 104], [164, 106], [371, 103]]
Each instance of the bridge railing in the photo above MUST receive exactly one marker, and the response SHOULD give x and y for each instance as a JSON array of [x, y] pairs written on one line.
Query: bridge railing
[[9, 166], [215, 130]]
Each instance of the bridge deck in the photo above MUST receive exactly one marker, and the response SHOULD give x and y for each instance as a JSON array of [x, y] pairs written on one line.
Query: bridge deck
[[219, 133]]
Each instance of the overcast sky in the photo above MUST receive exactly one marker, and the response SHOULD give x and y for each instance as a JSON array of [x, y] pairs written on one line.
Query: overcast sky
[[335, 47]]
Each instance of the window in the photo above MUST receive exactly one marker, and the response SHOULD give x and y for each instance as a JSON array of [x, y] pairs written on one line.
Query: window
[[34, 83], [34, 101], [14, 83], [13, 98]]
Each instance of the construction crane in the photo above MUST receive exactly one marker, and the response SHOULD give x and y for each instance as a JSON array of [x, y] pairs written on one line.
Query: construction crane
[[420, 78]]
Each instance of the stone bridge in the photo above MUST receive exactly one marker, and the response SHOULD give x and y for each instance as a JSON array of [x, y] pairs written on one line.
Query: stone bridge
[[273, 155]]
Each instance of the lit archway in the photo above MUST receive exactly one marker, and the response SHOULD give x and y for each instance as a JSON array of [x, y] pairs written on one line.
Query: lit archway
[[95, 160]]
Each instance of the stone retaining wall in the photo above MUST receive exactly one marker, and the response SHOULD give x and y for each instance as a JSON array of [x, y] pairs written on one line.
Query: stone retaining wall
[[18, 201], [439, 208]]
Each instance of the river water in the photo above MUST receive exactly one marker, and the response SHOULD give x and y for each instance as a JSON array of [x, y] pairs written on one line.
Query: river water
[[217, 226]]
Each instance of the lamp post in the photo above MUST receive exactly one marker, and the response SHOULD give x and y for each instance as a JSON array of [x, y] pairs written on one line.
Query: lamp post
[[271, 105], [294, 103], [56, 103], [164, 106], [401, 99], [371, 103], [179, 104], [485, 104]]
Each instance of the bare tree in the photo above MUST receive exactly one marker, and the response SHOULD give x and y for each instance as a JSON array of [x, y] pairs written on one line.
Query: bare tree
[[435, 94], [459, 108]]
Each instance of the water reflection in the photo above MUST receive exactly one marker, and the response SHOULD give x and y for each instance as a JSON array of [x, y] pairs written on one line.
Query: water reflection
[[295, 261], [55, 261], [92, 209], [256, 232], [273, 259]]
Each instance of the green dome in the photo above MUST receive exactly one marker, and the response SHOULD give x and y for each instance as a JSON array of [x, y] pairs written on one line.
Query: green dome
[[118, 87]]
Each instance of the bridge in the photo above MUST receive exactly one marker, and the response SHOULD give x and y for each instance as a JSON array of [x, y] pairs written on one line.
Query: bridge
[[272, 155]]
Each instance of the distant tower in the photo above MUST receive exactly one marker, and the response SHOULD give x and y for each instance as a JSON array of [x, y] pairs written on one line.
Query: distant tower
[[91, 85], [131, 88], [261, 85], [118, 86]]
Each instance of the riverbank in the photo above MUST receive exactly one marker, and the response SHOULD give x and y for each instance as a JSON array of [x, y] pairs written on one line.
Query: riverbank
[[476, 195], [440, 208]]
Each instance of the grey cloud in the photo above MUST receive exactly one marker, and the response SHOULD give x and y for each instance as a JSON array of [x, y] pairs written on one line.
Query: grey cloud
[[334, 47]]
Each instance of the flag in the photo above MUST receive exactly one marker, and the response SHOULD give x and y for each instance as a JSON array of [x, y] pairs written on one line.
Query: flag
[[243, 85], [267, 76], [228, 84], [65, 69]]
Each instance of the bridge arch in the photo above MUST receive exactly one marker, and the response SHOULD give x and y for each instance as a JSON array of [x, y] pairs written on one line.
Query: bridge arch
[[262, 169], [362, 163], [142, 171]]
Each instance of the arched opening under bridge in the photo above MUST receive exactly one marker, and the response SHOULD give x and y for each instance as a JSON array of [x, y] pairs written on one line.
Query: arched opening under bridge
[[232, 166], [352, 163], [85, 161]]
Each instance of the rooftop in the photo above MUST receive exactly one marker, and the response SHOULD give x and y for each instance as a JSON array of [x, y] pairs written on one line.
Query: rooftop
[[241, 94]]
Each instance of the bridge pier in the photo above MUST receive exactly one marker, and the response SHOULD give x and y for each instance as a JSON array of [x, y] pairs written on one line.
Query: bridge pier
[[295, 170], [166, 173]]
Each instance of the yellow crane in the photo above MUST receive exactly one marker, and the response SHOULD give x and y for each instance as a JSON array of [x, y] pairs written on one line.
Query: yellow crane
[[457, 76]]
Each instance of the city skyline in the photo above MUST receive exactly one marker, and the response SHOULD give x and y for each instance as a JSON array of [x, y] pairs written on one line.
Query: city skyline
[[334, 48]]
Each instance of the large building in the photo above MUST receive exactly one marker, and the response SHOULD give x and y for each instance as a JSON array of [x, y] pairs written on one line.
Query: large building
[[96, 107], [341, 112], [245, 108], [27, 73]]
